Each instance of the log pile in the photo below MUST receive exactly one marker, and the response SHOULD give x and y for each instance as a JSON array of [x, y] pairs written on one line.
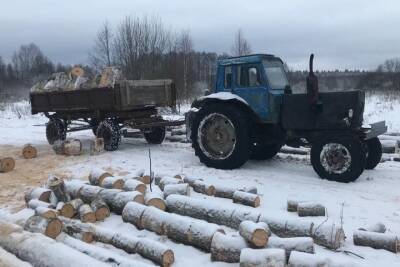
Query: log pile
[[7, 164], [270, 257]]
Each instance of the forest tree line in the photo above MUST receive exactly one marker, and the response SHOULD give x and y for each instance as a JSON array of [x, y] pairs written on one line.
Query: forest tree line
[[144, 48]]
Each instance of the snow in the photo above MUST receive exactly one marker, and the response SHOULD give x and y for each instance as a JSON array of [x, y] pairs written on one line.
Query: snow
[[224, 96], [374, 197]]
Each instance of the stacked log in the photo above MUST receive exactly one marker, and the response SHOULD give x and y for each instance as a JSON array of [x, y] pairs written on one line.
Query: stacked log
[[29, 151], [203, 187], [302, 244], [112, 183], [121, 199], [34, 248], [46, 212], [50, 227], [7, 164], [254, 233], [186, 230], [146, 179], [155, 200], [176, 189], [86, 213], [288, 228], [168, 180], [65, 209], [226, 214], [310, 209], [247, 199], [228, 191], [100, 209], [270, 257], [57, 186], [376, 240], [88, 193], [72, 187], [39, 193], [97, 176], [75, 204], [227, 247], [34, 203], [9, 260], [134, 185]]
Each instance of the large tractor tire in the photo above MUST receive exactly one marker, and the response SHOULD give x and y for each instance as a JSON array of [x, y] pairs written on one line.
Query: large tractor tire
[[338, 158], [374, 153], [55, 130], [110, 132], [155, 135], [264, 152], [220, 136]]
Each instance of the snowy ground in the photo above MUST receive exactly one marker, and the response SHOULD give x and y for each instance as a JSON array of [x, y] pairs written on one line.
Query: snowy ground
[[374, 197]]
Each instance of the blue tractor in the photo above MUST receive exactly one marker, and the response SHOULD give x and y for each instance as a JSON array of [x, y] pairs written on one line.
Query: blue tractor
[[252, 113]]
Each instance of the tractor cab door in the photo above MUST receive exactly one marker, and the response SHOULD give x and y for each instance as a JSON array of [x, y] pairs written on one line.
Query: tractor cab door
[[250, 84]]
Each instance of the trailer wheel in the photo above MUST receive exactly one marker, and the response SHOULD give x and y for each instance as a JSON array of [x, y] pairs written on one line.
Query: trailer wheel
[[220, 136], [110, 132], [264, 152], [374, 153], [94, 123], [338, 158], [155, 135], [55, 130]]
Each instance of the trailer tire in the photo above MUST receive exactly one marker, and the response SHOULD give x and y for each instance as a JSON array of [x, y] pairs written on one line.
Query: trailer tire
[[236, 131], [340, 158], [374, 155], [56, 130], [94, 124], [155, 135], [264, 152], [110, 132]]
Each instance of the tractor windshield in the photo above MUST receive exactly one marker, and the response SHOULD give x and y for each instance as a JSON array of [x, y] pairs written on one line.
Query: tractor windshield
[[276, 74]]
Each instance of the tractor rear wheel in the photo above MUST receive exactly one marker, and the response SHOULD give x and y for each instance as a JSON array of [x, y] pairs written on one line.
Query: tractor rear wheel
[[154, 135], [220, 136], [264, 152], [338, 158], [374, 153], [55, 130], [110, 132]]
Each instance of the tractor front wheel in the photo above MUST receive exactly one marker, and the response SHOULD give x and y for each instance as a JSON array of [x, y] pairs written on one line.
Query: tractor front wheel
[[374, 153], [338, 158]]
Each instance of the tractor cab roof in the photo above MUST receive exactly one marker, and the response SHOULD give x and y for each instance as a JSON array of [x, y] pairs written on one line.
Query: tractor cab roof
[[256, 58]]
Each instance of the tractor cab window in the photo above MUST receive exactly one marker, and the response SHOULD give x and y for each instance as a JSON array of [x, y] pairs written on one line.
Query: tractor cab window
[[228, 77], [248, 76], [276, 75]]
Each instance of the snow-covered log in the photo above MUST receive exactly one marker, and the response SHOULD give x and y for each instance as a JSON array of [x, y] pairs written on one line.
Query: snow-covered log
[[10, 260], [75, 204], [292, 205], [72, 187], [29, 151], [97, 176], [254, 233], [188, 179], [168, 180], [302, 244], [269, 257], [155, 200], [88, 193], [86, 213], [99, 253], [226, 214], [288, 227], [203, 187], [329, 235], [46, 212], [146, 179], [227, 191], [310, 209], [377, 227], [134, 185], [176, 189], [82, 233], [375, 240], [34, 203], [72, 147], [7, 164], [247, 199], [155, 251], [121, 199], [40, 193], [302, 259], [50, 227], [39, 250], [65, 209], [112, 183], [183, 229], [57, 185], [108, 195], [227, 247], [100, 209]]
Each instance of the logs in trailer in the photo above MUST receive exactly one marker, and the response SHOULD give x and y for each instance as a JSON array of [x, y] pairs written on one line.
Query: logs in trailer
[[253, 113]]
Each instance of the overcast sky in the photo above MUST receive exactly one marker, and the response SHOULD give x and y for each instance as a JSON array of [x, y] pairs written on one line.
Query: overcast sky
[[342, 34]]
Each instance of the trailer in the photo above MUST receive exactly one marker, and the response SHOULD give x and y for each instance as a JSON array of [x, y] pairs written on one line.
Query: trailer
[[108, 111]]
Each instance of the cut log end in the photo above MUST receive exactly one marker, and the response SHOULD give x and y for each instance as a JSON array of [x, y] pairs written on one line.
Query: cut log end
[[29, 152], [53, 229], [87, 237], [139, 199], [156, 202], [7, 164], [67, 210], [168, 258], [102, 213], [146, 179], [259, 238], [88, 217]]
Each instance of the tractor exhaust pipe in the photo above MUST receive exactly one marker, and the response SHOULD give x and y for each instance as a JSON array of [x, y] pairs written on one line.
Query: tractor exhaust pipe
[[312, 88]]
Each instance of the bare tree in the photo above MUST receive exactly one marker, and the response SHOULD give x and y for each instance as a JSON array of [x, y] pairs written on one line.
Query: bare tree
[[241, 46], [101, 55], [390, 65], [185, 48]]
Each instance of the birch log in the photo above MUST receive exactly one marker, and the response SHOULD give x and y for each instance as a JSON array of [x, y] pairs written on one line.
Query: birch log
[[100, 209], [310, 209], [97, 176], [34, 203], [7, 164], [39, 250], [86, 213], [188, 179], [108, 195], [10, 260], [50, 227], [40, 193], [288, 228], [254, 233], [65, 209], [121, 199], [301, 259], [168, 180], [302, 244], [203, 187], [72, 187], [227, 191], [292, 205], [329, 235], [29, 151], [76, 204], [112, 183], [46, 212], [132, 213], [57, 185], [134, 185], [247, 199], [155, 200], [270, 257], [227, 247], [176, 189], [88, 193], [377, 240]]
